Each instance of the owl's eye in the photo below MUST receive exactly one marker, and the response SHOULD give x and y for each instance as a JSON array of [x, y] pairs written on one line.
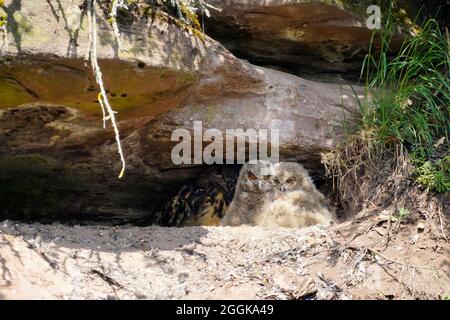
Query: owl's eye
[[275, 179], [291, 180], [251, 176]]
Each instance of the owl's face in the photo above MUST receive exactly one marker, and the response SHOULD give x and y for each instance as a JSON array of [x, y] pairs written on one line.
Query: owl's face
[[279, 177], [256, 177], [288, 177]]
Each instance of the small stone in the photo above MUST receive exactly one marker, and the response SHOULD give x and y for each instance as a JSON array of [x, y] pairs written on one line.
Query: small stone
[[140, 295], [421, 227], [414, 239], [183, 277]]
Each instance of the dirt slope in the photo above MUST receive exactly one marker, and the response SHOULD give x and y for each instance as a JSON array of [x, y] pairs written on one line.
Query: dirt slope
[[348, 261]]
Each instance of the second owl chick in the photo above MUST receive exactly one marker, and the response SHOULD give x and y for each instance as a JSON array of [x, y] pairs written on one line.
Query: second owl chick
[[202, 202], [276, 194]]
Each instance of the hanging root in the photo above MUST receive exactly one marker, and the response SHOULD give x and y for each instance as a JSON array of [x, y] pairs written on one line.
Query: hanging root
[[107, 111], [204, 7], [116, 5]]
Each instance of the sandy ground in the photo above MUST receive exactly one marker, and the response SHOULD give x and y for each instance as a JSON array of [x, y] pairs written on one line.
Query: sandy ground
[[348, 261]]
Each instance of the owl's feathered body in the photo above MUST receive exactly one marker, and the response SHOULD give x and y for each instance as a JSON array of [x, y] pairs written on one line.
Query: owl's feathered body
[[276, 194], [203, 202]]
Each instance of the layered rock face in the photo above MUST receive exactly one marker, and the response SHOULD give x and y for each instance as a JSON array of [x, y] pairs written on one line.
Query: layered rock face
[[309, 38], [318, 39], [322, 40], [58, 161]]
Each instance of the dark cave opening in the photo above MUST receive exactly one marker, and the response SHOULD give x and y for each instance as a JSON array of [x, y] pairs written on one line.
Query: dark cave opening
[[45, 195]]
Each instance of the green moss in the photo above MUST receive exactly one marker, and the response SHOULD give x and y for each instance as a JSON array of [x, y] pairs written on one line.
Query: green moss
[[128, 89], [190, 16], [24, 25], [12, 94], [3, 18]]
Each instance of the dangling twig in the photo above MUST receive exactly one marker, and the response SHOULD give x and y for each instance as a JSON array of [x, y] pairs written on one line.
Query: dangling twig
[[107, 111], [115, 5]]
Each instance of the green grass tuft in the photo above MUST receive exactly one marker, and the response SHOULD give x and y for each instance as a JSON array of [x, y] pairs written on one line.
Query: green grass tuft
[[411, 104], [400, 148]]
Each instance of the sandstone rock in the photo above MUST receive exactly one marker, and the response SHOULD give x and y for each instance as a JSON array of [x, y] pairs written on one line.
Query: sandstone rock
[[64, 164], [308, 38]]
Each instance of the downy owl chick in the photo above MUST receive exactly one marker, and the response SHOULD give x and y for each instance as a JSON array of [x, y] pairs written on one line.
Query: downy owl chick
[[276, 194]]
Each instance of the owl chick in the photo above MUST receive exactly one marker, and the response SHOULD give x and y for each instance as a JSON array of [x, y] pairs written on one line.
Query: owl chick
[[203, 202], [276, 194]]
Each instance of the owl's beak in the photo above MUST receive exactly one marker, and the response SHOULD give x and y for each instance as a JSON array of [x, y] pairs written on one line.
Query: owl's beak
[[260, 185], [283, 189]]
